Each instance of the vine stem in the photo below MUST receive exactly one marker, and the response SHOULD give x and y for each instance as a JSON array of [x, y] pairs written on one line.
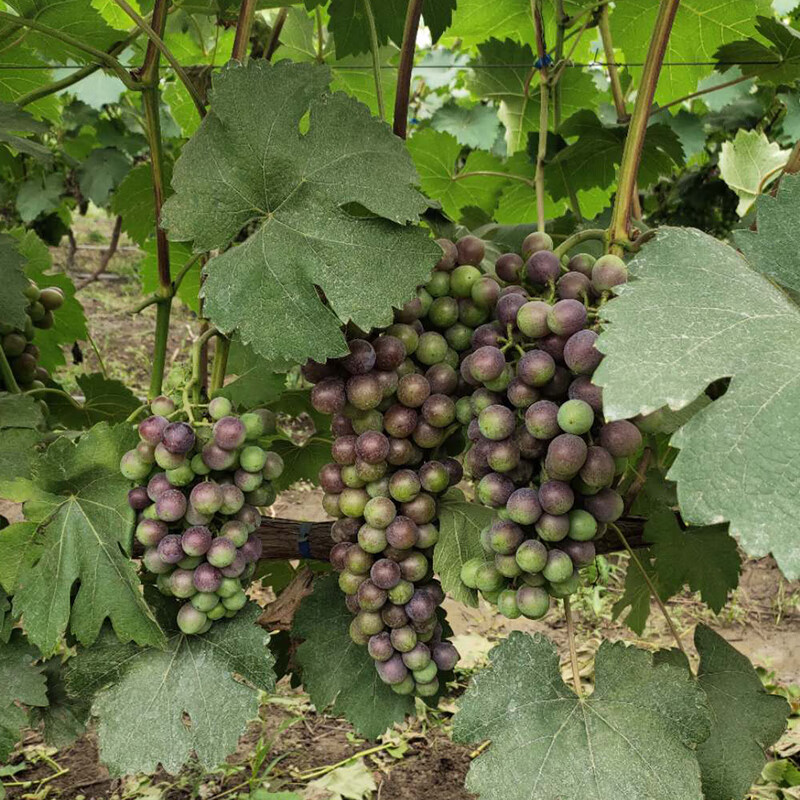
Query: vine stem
[[494, 174], [154, 34], [220, 365], [701, 92], [573, 652], [403, 95], [244, 26], [634, 141], [275, 36], [544, 96], [101, 55], [613, 73], [652, 588], [198, 348], [7, 374], [590, 234], [376, 57]]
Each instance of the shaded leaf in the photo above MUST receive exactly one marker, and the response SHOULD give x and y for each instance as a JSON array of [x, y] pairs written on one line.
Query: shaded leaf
[[101, 173], [12, 273], [473, 126], [105, 400]]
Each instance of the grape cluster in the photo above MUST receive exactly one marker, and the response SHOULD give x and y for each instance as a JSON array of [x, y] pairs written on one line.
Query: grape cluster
[[392, 401], [200, 486], [18, 346], [540, 451]]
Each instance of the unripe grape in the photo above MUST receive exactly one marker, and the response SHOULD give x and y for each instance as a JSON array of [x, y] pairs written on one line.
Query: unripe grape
[[543, 268], [328, 396], [556, 497], [621, 438], [407, 335], [403, 639], [507, 604], [532, 319], [582, 263], [488, 579], [236, 567], [506, 565], [181, 585], [180, 476], [414, 567], [380, 512], [402, 593], [439, 410], [427, 535], [496, 422], [434, 477], [505, 536], [421, 509], [552, 527], [235, 602], [219, 407], [252, 458], [531, 556], [566, 454], [349, 583], [533, 602], [132, 466], [432, 348], [171, 505], [206, 497], [150, 532], [575, 416], [559, 566], [520, 394], [152, 429], [361, 358], [232, 499], [371, 597], [154, 563], [190, 620], [443, 312], [252, 548], [534, 242], [369, 622], [536, 368], [580, 353], [523, 506], [353, 501], [235, 531], [205, 601], [218, 612], [273, 466], [413, 390], [494, 490], [608, 271]]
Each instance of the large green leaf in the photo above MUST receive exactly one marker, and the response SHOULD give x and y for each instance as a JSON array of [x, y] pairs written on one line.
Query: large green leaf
[[633, 737], [255, 383], [101, 173], [745, 720], [693, 313], [336, 671], [17, 458], [515, 88], [64, 718], [70, 321], [20, 682], [460, 525], [699, 29], [637, 595], [21, 72], [105, 400], [772, 249], [160, 706], [39, 195], [474, 126], [289, 189], [78, 500], [15, 126], [12, 273]]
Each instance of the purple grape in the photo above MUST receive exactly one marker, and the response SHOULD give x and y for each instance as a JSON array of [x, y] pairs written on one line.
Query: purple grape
[[372, 447], [217, 458], [138, 498], [385, 573], [157, 485], [523, 506], [573, 286], [582, 388], [232, 499], [520, 394], [402, 533], [599, 468], [380, 647], [421, 606], [413, 390], [505, 536], [508, 307], [556, 497], [536, 368], [328, 396], [370, 596], [552, 527], [445, 656], [508, 267], [341, 425], [566, 454], [454, 470], [529, 446], [314, 372], [414, 567], [196, 540], [534, 242], [150, 532], [207, 578], [559, 384], [337, 555], [580, 354], [394, 616], [470, 250], [252, 548], [605, 506], [567, 317], [465, 371], [345, 530], [330, 478], [364, 391], [494, 490], [541, 419], [553, 345], [608, 271], [393, 670], [421, 509], [229, 433], [487, 335], [361, 358], [439, 410], [206, 497], [343, 450], [178, 437], [171, 505], [250, 516], [621, 438], [449, 256], [152, 429], [582, 263], [581, 553], [170, 550], [542, 268], [236, 567], [390, 352]]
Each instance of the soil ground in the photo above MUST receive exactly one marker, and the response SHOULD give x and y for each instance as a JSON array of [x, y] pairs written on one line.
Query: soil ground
[[416, 760]]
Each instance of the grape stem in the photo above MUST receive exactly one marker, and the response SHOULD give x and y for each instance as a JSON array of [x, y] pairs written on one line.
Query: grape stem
[[193, 385], [400, 122], [573, 653], [376, 55], [132, 416], [544, 97], [590, 234], [7, 374], [651, 586], [60, 393]]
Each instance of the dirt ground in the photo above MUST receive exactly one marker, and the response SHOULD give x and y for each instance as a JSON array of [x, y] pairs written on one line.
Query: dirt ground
[[292, 743]]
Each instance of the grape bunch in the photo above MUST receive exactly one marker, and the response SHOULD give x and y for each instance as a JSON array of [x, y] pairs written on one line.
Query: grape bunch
[[541, 453], [198, 498], [393, 406], [18, 346]]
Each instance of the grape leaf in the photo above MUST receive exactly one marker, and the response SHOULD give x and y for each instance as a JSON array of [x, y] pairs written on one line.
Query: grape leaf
[[39, 195], [15, 122], [74, 17], [698, 31], [516, 92], [745, 720], [6, 619], [706, 559], [437, 155], [336, 671], [12, 273], [256, 382], [636, 595], [114, 15], [473, 126], [475, 21], [78, 499], [70, 322], [105, 400], [182, 108], [748, 163], [695, 312], [22, 72], [633, 737], [290, 189], [17, 457], [101, 173], [20, 549], [772, 250], [301, 462], [460, 525], [133, 201], [64, 718], [776, 63], [20, 682], [159, 706]]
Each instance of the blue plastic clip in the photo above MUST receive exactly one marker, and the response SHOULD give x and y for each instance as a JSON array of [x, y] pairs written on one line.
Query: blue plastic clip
[[543, 62], [303, 545]]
